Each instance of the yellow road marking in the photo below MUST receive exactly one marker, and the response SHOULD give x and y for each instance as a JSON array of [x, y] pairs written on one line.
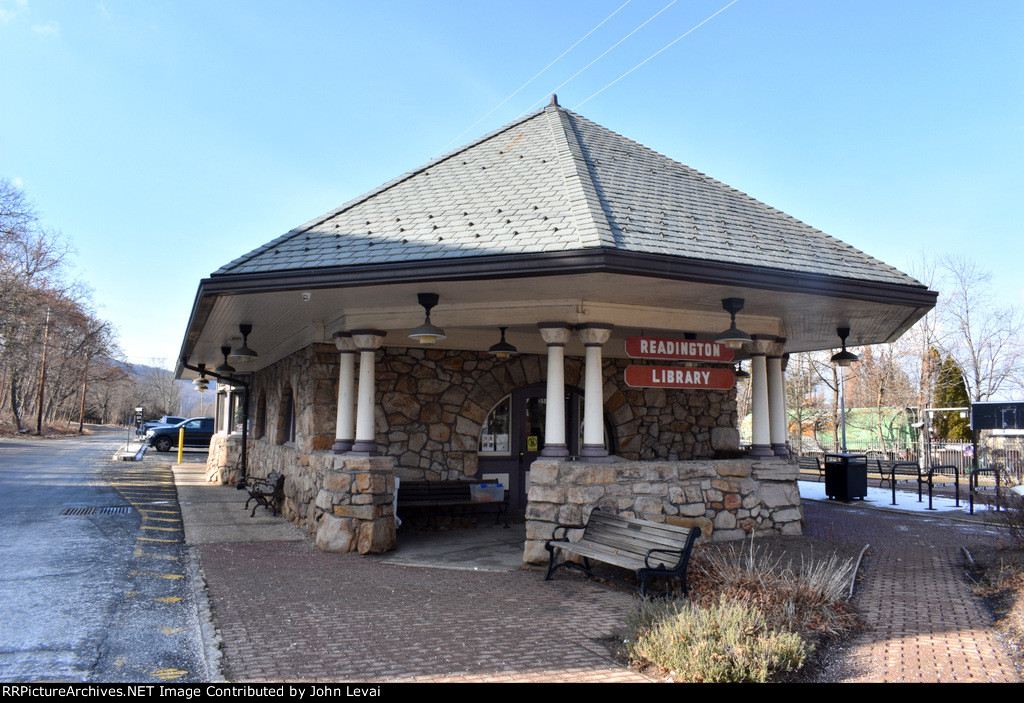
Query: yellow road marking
[[136, 572], [157, 539], [168, 673], [164, 529], [171, 630], [143, 555], [167, 599]]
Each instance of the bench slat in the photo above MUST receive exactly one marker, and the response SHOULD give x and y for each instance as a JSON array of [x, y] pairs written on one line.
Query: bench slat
[[626, 542]]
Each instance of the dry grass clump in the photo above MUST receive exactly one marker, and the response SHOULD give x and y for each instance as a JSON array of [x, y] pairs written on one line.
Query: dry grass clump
[[809, 598], [749, 617]]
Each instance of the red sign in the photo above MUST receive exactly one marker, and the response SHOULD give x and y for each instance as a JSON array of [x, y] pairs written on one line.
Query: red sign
[[678, 377], [681, 349]]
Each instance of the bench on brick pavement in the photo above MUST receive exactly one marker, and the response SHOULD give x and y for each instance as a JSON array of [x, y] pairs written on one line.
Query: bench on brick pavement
[[446, 498], [648, 549], [811, 464], [265, 491]]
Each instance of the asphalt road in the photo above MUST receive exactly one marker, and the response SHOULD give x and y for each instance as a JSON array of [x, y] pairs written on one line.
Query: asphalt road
[[96, 584]]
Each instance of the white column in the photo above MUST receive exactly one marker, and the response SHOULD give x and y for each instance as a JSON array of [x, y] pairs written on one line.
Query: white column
[[345, 426], [761, 440], [219, 412], [555, 335], [593, 335], [777, 406], [227, 410], [367, 342]]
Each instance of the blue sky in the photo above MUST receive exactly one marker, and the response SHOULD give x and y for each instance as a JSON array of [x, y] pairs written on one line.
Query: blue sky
[[164, 139]]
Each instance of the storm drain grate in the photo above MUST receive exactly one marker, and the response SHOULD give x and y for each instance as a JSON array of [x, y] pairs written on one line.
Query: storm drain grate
[[97, 510]]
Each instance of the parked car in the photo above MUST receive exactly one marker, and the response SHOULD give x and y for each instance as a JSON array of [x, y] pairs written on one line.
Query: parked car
[[145, 427], [198, 431]]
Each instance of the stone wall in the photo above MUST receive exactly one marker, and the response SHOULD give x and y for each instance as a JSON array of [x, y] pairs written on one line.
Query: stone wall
[[430, 406], [432, 403], [345, 502], [727, 499]]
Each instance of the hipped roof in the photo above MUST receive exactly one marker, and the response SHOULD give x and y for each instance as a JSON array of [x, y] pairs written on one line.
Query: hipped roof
[[550, 182]]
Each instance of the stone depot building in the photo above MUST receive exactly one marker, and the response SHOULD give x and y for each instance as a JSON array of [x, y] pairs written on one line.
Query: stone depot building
[[543, 307]]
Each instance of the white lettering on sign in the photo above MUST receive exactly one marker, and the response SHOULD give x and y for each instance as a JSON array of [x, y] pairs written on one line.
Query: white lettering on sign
[[662, 376], [672, 377], [676, 347], [679, 349]]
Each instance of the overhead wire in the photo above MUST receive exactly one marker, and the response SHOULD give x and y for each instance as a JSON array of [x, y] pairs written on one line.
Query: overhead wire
[[677, 39], [539, 73], [604, 53]]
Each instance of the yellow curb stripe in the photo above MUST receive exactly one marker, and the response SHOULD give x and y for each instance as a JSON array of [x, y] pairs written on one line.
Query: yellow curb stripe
[[157, 574], [143, 555]]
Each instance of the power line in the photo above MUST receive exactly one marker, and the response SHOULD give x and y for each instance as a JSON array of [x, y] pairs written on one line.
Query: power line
[[517, 91], [692, 29], [605, 52]]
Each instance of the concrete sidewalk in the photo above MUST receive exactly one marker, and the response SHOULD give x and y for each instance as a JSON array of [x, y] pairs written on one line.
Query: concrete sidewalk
[[286, 611]]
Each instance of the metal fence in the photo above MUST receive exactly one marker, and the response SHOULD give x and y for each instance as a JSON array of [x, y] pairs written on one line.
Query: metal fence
[[1006, 455]]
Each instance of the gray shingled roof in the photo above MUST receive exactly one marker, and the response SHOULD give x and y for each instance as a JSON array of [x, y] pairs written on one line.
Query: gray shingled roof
[[554, 181]]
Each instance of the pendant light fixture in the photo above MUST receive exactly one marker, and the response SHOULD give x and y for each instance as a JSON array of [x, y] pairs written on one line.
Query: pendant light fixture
[[427, 333], [244, 353], [201, 383], [225, 368], [503, 349], [844, 358], [733, 338]]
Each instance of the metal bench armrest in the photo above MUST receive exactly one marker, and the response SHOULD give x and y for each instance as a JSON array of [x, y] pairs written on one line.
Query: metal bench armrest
[[565, 529], [678, 553]]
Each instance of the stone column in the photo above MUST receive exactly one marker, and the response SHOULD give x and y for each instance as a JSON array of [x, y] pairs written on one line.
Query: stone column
[[367, 342], [345, 427], [761, 431], [777, 405], [555, 335], [593, 335]]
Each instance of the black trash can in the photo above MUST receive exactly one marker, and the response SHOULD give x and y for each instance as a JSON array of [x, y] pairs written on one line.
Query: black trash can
[[846, 476]]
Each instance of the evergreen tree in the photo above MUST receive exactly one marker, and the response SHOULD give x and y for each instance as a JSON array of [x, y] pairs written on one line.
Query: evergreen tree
[[951, 392]]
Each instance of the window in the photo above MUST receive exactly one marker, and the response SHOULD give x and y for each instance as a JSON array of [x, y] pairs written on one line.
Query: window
[[286, 418], [494, 434]]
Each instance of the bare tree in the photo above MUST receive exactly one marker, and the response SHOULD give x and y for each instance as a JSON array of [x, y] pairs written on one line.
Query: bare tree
[[984, 335]]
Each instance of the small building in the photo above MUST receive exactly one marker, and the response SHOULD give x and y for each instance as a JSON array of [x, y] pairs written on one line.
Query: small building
[[545, 307]]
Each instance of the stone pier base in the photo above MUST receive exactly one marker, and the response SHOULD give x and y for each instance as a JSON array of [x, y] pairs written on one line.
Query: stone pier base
[[356, 504], [224, 462]]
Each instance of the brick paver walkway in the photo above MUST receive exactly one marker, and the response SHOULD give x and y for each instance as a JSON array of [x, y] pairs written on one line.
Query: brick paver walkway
[[924, 625], [288, 612]]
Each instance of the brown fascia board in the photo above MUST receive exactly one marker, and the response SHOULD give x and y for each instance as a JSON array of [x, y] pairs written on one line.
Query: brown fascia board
[[553, 264]]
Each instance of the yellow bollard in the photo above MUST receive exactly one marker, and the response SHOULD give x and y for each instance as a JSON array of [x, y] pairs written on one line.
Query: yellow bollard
[[181, 442]]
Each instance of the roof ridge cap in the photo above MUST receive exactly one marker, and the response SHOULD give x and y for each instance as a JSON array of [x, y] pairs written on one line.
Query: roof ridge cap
[[583, 193]]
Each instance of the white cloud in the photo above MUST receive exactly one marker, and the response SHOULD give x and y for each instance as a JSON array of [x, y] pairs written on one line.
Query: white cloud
[[50, 29], [9, 10]]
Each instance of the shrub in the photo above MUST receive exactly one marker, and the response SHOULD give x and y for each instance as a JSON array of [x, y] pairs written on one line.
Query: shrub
[[1011, 520], [720, 643]]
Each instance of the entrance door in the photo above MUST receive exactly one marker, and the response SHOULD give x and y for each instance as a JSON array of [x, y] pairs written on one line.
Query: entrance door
[[513, 437]]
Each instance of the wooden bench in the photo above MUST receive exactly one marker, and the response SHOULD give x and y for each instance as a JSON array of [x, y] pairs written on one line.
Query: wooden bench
[[811, 464], [644, 547], [446, 498], [265, 491]]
